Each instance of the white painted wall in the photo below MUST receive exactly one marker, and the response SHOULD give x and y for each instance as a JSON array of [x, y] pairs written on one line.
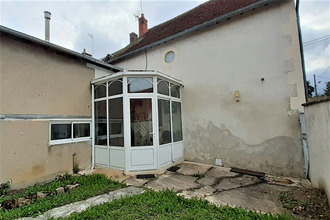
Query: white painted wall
[[317, 117], [261, 131]]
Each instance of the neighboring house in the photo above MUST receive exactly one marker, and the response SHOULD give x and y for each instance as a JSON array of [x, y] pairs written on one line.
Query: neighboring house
[[220, 84], [240, 64], [45, 108]]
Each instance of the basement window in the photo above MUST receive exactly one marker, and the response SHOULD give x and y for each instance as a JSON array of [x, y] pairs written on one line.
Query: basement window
[[69, 132]]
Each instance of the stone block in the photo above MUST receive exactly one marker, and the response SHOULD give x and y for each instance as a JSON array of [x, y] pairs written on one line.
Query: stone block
[[59, 190], [188, 168]]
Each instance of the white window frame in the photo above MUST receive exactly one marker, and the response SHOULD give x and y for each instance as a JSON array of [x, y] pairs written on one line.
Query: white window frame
[[72, 139]]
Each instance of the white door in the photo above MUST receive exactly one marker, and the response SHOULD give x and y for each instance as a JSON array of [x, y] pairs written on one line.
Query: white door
[[143, 146]]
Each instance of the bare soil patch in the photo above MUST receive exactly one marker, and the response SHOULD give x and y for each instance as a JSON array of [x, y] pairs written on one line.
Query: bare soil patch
[[306, 203]]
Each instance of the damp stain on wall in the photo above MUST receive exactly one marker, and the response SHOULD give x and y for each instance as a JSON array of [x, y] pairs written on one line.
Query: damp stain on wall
[[279, 155]]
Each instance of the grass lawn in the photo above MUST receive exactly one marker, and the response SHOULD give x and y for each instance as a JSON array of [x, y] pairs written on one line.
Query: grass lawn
[[166, 205], [90, 185]]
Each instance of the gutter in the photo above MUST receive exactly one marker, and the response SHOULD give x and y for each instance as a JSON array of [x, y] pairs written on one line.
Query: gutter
[[55, 47], [195, 28], [301, 50]]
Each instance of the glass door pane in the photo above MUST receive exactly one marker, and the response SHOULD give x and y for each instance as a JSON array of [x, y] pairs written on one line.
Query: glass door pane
[[141, 122], [101, 123], [116, 122], [164, 121], [176, 120]]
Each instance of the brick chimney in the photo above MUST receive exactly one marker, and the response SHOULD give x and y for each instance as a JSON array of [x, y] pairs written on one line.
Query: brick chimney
[[143, 26]]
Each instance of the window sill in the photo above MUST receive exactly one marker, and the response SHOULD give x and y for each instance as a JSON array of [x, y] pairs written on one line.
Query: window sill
[[69, 141]]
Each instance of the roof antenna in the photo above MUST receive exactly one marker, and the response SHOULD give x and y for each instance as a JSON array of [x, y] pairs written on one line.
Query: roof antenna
[[141, 7], [91, 36]]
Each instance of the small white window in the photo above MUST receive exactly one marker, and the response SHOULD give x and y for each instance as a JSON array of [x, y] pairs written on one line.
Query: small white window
[[169, 57], [69, 132]]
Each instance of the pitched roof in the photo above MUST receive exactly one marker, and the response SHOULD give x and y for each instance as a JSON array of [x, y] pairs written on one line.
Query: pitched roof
[[209, 11], [5, 31]]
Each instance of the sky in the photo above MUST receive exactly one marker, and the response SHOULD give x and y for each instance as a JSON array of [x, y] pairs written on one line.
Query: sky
[[110, 23]]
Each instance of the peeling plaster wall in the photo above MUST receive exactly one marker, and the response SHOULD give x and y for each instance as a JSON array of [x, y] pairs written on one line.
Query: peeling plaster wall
[[317, 117], [36, 82], [260, 132]]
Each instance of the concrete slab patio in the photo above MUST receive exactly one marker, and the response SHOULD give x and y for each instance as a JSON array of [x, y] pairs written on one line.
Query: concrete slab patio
[[220, 186]]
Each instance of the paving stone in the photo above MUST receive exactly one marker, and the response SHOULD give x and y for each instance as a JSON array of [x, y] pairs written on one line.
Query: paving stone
[[207, 181], [59, 190], [41, 195], [198, 193], [205, 191], [221, 172], [80, 206], [133, 181], [173, 182], [188, 168], [262, 197], [232, 183]]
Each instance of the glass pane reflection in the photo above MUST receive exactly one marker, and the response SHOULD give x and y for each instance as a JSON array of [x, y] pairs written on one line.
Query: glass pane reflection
[[164, 121], [99, 91], [162, 87], [101, 123], [140, 85], [115, 87], [116, 122], [141, 122], [176, 120]]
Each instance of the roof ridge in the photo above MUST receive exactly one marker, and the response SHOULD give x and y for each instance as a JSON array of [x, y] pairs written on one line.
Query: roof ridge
[[185, 23]]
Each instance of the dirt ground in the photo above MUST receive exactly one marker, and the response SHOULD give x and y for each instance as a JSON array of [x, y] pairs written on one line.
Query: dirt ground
[[306, 203]]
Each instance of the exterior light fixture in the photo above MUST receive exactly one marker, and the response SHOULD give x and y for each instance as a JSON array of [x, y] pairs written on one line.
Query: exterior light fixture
[[237, 96]]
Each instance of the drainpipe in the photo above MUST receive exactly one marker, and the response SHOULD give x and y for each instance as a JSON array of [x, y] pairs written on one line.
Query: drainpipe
[[93, 130], [301, 50], [302, 115], [304, 140]]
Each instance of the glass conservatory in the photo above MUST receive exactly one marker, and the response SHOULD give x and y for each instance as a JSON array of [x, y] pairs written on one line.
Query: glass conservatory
[[136, 121]]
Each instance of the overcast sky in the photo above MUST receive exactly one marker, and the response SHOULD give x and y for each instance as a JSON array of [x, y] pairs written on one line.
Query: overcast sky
[[110, 23]]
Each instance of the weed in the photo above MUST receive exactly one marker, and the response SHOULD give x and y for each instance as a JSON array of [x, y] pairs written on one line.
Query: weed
[[90, 185], [199, 176], [75, 168], [4, 187]]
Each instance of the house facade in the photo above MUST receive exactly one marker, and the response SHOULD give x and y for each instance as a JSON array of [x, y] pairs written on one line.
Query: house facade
[[45, 108], [220, 84], [240, 66]]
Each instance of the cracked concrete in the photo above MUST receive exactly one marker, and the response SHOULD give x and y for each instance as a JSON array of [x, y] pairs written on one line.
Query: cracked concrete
[[220, 186]]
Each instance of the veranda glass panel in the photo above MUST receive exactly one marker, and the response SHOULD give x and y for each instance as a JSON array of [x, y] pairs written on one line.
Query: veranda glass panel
[[164, 121], [101, 123], [176, 120], [116, 122], [141, 122], [81, 130], [140, 85], [175, 91], [99, 91], [163, 87], [115, 87], [60, 131]]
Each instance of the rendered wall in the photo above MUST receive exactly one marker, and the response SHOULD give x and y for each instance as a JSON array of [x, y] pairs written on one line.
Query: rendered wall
[[38, 83], [260, 132], [26, 157], [317, 118]]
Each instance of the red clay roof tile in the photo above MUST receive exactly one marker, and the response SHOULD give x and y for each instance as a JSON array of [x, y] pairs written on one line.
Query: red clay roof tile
[[202, 13]]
